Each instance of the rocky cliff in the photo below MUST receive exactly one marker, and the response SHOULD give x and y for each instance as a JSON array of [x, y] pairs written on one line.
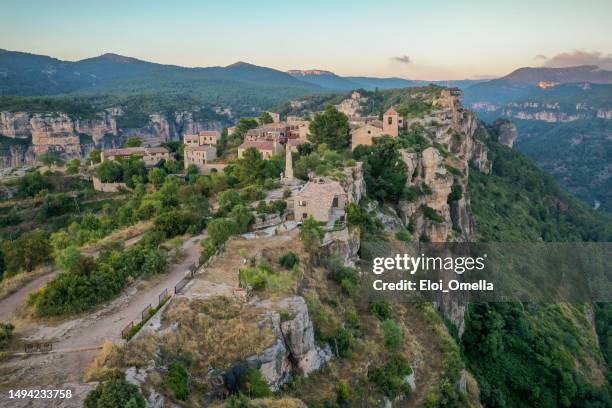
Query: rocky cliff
[[437, 205], [67, 136]]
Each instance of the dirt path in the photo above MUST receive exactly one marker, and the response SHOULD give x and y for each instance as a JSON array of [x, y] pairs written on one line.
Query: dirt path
[[13, 301], [107, 323]]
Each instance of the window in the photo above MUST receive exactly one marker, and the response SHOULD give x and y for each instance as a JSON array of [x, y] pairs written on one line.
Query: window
[[390, 120], [302, 203], [335, 202]]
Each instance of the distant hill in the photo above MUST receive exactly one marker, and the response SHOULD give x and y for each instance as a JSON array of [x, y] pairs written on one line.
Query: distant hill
[[334, 82], [525, 83], [23, 74]]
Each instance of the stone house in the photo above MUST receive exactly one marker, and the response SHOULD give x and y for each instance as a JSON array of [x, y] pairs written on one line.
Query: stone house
[[363, 135], [203, 138], [324, 200], [150, 155], [265, 147], [199, 156]]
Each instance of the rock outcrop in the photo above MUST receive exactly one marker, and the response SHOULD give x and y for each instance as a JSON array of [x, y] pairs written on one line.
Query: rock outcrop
[[294, 351], [67, 136], [507, 132], [437, 206]]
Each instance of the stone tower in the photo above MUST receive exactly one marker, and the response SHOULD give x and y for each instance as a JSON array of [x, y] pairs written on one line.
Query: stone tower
[[288, 176], [391, 122]]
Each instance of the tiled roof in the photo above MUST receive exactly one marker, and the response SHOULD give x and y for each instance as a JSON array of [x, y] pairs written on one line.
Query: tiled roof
[[321, 193], [391, 111], [258, 144]]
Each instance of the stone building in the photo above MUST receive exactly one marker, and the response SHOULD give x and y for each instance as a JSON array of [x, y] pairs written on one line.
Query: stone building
[[265, 147], [199, 156], [150, 155], [392, 122], [363, 135], [324, 200]]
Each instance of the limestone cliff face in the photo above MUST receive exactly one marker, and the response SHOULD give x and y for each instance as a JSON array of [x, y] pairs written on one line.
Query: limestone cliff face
[[70, 137], [507, 131], [430, 209], [294, 351]]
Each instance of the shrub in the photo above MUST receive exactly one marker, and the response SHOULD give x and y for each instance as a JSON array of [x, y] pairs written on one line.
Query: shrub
[[173, 223], [343, 392], [345, 276], [456, 193], [208, 250], [289, 260], [431, 214], [6, 333], [381, 309], [404, 236], [389, 378], [254, 385], [393, 334], [220, 229], [177, 381], [351, 319], [31, 184], [115, 393], [311, 234], [262, 277], [25, 253], [343, 342]]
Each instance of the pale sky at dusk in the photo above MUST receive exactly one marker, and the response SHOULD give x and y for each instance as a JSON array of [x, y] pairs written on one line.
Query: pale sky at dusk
[[409, 39]]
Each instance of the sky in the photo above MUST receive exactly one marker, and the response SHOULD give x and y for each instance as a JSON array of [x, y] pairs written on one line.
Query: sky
[[409, 39]]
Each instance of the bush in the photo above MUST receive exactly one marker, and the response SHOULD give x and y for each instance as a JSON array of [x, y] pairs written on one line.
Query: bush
[[381, 309], [177, 381], [343, 392], [343, 342], [455, 194], [289, 260], [431, 214], [389, 378], [345, 276], [393, 334], [25, 253], [115, 393], [6, 334], [173, 223], [254, 385], [31, 184], [220, 229], [404, 236], [208, 250]]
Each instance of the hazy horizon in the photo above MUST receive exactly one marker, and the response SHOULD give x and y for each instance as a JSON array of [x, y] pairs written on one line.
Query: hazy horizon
[[441, 40]]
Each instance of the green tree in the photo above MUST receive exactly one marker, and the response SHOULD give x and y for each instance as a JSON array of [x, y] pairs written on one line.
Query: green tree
[[265, 118], [26, 252], [311, 235], [220, 229], [243, 217], [133, 142], [31, 184], [384, 170], [109, 172], [157, 176], [116, 393], [250, 168], [330, 127], [94, 156]]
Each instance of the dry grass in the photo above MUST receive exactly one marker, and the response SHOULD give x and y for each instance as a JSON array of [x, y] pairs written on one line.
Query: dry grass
[[216, 332], [97, 370], [14, 283]]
